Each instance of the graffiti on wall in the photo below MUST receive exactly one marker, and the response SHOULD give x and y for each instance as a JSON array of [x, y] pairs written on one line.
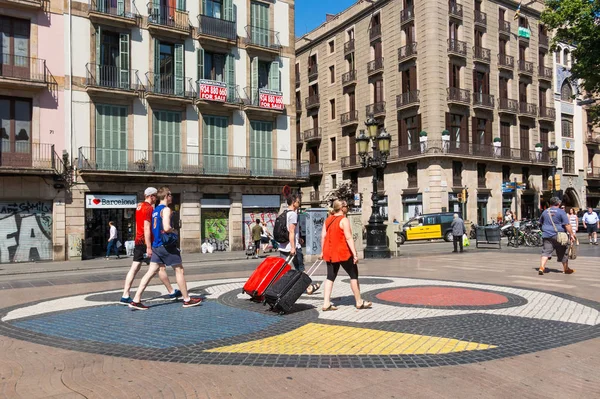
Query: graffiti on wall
[[25, 231], [215, 227], [267, 216]]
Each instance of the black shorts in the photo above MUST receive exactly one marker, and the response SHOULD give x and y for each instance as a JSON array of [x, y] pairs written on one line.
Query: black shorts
[[592, 228], [264, 240], [256, 245], [139, 252]]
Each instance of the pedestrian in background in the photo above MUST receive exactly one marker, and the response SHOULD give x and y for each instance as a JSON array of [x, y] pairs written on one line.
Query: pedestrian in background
[[338, 248], [591, 224], [112, 240], [458, 229], [574, 221], [256, 233], [264, 237], [554, 222]]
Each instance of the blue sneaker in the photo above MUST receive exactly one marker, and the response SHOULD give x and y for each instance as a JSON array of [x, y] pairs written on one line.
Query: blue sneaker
[[126, 301], [176, 294]]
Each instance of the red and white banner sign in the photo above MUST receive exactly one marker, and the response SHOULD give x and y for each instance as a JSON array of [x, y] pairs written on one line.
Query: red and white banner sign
[[270, 99], [212, 90]]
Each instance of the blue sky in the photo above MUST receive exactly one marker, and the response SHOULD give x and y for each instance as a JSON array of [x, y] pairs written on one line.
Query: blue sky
[[311, 13]]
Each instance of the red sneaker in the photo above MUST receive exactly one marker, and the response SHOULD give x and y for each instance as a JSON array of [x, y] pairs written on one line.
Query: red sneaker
[[192, 302], [138, 306]]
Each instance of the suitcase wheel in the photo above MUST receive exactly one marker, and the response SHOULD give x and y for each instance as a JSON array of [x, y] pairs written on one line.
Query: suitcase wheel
[[281, 313]]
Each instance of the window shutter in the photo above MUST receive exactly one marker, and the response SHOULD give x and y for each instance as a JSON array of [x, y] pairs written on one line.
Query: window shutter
[[254, 80], [475, 139], [121, 7], [122, 145], [179, 89], [99, 135], [402, 137], [274, 76], [98, 52], [176, 154], [230, 77], [181, 6], [464, 129], [203, 7], [488, 132], [448, 127], [451, 74], [157, 65], [124, 60], [228, 8], [413, 78], [200, 56]]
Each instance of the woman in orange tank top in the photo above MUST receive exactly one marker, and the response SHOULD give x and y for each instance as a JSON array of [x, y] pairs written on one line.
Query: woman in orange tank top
[[338, 250]]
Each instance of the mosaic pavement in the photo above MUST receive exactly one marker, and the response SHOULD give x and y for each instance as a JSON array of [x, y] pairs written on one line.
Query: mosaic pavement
[[413, 323]]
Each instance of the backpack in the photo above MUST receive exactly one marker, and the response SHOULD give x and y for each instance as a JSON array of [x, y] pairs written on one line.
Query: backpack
[[280, 230]]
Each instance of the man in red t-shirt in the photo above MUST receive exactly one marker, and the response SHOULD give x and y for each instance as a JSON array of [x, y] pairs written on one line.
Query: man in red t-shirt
[[143, 246]]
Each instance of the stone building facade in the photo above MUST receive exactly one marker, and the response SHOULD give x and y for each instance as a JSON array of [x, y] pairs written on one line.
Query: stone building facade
[[464, 88]]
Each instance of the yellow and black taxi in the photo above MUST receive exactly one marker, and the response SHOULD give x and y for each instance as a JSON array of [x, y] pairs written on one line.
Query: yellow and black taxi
[[427, 227]]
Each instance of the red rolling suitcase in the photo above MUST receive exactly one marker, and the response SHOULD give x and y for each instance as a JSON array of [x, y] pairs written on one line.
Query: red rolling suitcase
[[269, 271]]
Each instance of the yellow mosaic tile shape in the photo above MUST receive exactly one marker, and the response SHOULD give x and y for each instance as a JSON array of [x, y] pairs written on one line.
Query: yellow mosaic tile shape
[[323, 339]]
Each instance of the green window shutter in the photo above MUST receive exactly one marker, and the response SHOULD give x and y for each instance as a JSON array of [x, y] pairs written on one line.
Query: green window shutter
[[274, 76], [181, 6], [124, 60], [98, 52], [214, 143], [228, 10], [259, 18], [200, 55], [254, 80], [261, 162], [120, 7], [156, 81], [203, 7], [179, 89], [99, 135], [230, 77]]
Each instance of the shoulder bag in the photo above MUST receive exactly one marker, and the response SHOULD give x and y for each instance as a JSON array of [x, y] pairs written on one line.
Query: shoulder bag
[[561, 237]]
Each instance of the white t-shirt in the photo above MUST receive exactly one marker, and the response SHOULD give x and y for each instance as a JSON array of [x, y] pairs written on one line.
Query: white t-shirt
[[113, 233], [292, 218]]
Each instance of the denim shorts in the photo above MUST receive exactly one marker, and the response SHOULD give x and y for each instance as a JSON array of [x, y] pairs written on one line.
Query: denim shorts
[[168, 256]]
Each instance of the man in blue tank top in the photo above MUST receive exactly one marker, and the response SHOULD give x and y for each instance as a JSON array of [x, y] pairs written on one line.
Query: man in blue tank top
[[164, 253]]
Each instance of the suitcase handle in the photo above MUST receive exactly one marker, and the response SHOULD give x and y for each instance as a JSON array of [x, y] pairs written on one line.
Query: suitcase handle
[[314, 267]]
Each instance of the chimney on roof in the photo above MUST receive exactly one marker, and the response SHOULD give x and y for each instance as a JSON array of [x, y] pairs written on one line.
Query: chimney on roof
[[330, 17]]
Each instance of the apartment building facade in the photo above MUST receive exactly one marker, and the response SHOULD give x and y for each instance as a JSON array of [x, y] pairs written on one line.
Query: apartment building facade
[[32, 185], [464, 88]]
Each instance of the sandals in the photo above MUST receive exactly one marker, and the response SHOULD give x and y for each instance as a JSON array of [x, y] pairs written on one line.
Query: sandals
[[330, 308], [312, 288], [365, 305], [569, 271], [541, 271]]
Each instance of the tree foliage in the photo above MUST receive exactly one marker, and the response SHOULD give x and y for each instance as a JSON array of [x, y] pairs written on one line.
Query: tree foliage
[[577, 23], [343, 192]]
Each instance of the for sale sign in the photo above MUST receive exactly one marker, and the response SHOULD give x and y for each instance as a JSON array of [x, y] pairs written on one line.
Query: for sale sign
[[270, 99], [212, 90]]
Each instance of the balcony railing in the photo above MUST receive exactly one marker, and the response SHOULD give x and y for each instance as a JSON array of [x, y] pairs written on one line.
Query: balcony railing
[[526, 67], [506, 61], [593, 172], [482, 54], [315, 169], [349, 77], [544, 41], [545, 72], [168, 16], [407, 52], [375, 32], [117, 9], [261, 37], [407, 15], [483, 100], [351, 162], [547, 113], [313, 71], [112, 77], [312, 101], [23, 68], [455, 10], [312, 134], [413, 181], [163, 162], [527, 109], [480, 18], [216, 27], [23, 154], [375, 66], [504, 26], [170, 85], [592, 138], [457, 47], [457, 180], [407, 98], [256, 97], [315, 196], [508, 105], [349, 46], [349, 118], [481, 182], [375, 108], [232, 97], [454, 94]]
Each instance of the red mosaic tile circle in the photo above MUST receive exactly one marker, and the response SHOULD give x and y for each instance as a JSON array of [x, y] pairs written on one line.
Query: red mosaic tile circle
[[442, 296]]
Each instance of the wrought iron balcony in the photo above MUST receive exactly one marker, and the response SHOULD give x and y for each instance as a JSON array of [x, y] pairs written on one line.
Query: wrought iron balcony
[[351, 162], [504, 27], [548, 114], [482, 54], [375, 66], [413, 181], [124, 13], [545, 73], [349, 47], [457, 47], [506, 61], [216, 27], [407, 99], [262, 38], [525, 67], [407, 52], [455, 10], [313, 71], [483, 100], [349, 78], [23, 69], [593, 172], [113, 78], [527, 109], [544, 41], [407, 15], [266, 100], [313, 101], [25, 4], [349, 118], [160, 16], [170, 85], [592, 138], [457, 180], [508, 105], [315, 169], [205, 93], [312, 134], [29, 158], [375, 32], [481, 182], [375, 109], [456, 95], [480, 18]]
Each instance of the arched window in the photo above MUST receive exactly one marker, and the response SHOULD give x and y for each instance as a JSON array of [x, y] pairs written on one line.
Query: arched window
[[566, 92], [567, 58]]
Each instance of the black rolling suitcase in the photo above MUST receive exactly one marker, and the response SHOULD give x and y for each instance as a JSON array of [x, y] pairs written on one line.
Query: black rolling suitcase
[[283, 294]]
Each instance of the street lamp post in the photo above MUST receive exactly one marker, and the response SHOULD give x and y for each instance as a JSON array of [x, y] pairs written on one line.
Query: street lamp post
[[553, 154], [376, 231]]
